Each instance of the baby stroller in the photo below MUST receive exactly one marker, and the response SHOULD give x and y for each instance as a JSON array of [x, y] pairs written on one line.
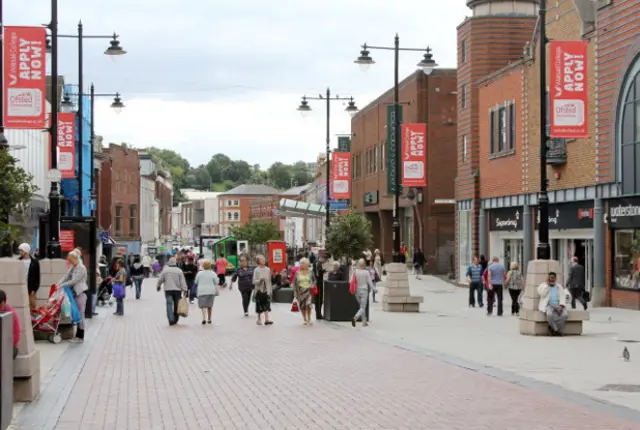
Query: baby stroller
[[104, 292], [46, 318]]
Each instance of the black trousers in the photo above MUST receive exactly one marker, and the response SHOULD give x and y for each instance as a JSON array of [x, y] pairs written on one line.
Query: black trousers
[[515, 305], [577, 294], [493, 295], [475, 288], [318, 300], [246, 300]]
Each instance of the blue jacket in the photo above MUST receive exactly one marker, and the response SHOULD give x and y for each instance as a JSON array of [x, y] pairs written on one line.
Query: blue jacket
[[475, 273], [244, 278]]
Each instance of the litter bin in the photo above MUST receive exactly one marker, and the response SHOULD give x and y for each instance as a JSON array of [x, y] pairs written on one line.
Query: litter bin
[[339, 303]]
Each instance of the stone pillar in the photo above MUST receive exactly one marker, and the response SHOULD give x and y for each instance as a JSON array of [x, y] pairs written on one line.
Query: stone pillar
[[483, 235], [527, 230], [26, 367], [598, 293], [397, 296]]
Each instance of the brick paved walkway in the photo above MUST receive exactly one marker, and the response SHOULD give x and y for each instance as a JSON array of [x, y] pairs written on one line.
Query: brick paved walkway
[[142, 374]]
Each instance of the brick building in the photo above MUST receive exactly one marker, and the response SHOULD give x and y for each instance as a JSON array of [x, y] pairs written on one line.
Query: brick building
[[429, 99], [235, 204], [119, 194]]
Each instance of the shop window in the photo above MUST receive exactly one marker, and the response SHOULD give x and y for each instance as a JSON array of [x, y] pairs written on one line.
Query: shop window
[[627, 259], [629, 135]]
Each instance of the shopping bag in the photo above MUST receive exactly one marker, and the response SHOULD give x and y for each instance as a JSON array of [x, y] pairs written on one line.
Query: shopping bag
[[75, 312], [314, 290], [294, 306], [253, 296], [119, 290], [353, 284], [183, 307], [65, 310]]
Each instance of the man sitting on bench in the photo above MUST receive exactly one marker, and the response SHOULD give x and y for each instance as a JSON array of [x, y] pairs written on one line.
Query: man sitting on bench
[[554, 300]]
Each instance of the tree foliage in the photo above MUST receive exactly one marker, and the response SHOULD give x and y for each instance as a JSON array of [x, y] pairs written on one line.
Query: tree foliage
[[17, 190], [348, 236], [256, 232]]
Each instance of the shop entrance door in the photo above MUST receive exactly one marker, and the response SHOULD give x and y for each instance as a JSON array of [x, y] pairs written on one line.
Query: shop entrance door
[[583, 250], [513, 252]]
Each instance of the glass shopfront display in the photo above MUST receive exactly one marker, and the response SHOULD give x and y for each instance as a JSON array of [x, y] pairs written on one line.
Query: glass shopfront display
[[513, 251], [626, 265], [465, 243]]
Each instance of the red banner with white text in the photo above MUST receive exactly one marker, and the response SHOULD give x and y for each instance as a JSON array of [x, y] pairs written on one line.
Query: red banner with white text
[[568, 89], [24, 77], [414, 155], [67, 144], [340, 175]]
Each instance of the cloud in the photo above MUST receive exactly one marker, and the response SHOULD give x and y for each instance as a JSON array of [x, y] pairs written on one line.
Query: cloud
[[209, 76]]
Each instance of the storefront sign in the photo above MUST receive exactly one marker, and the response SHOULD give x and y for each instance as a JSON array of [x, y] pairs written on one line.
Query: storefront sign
[[24, 77], [344, 144], [392, 152], [341, 175], [414, 155], [67, 144], [569, 89], [572, 215], [624, 213], [505, 219]]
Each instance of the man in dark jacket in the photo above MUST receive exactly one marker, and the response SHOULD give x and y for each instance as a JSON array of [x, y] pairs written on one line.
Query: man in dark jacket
[[318, 271], [576, 283], [244, 277], [32, 270]]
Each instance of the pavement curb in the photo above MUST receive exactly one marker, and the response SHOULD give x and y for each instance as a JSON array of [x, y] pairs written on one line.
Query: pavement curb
[[557, 391]]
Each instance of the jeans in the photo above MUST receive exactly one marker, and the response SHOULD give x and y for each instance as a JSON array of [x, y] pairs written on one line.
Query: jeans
[[318, 300], [578, 294], [246, 299], [494, 293], [81, 301], [475, 288], [173, 297], [515, 305], [362, 295], [119, 307], [137, 281]]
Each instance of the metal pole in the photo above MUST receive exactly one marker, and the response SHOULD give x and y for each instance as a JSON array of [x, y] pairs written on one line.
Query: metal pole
[[396, 124], [543, 199], [79, 210], [53, 245], [93, 137], [328, 191], [3, 145]]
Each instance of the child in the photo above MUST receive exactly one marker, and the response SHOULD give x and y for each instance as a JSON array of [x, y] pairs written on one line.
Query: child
[[4, 307], [119, 287]]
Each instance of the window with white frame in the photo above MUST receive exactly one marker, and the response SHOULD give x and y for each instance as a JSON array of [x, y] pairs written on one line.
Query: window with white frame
[[236, 216], [464, 149]]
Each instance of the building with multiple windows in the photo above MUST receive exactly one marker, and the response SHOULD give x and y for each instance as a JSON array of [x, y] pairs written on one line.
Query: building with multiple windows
[[234, 206]]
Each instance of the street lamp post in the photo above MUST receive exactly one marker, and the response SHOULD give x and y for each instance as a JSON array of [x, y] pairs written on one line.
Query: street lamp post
[[114, 50], [544, 250], [304, 109], [4, 143], [427, 64]]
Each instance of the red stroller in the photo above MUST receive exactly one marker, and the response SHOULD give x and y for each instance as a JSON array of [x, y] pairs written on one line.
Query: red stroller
[[46, 318]]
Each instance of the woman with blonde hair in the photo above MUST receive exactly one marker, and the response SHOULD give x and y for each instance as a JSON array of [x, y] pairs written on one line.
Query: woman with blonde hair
[[263, 291], [206, 286], [515, 283], [364, 284], [76, 279], [303, 282]]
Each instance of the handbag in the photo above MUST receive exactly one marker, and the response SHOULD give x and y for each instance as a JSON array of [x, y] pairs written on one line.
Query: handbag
[[119, 290], [253, 296], [353, 284], [586, 296], [314, 290], [294, 306], [183, 307]]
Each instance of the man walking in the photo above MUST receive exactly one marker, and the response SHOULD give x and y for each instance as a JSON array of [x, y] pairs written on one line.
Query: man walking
[[496, 277], [318, 270], [474, 278], [172, 279], [576, 283]]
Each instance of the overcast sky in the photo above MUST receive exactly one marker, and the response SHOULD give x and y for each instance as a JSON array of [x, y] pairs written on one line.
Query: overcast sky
[[209, 76]]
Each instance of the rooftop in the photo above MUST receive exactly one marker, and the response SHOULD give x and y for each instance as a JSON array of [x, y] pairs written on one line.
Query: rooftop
[[192, 194], [252, 190], [296, 191]]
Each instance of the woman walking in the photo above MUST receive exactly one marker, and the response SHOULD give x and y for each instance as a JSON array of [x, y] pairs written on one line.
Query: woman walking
[[302, 285], [244, 276], [190, 270], [76, 279], [119, 282], [206, 284], [515, 283], [221, 270], [375, 278], [363, 286], [262, 283], [136, 272]]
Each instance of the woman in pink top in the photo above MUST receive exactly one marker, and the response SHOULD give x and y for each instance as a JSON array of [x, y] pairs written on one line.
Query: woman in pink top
[[221, 270]]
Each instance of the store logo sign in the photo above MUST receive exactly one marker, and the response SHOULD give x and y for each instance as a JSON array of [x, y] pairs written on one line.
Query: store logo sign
[[623, 211], [554, 219], [506, 221]]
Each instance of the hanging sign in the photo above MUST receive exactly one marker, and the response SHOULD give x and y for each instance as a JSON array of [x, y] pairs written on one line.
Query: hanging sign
[[414, 155], [67, 144], [341, 175]]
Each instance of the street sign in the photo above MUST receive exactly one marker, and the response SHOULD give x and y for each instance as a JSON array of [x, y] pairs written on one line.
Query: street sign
[[338, 205]]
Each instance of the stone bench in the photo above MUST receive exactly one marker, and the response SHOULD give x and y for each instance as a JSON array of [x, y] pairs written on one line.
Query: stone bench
[[283, 295], [397, 296]]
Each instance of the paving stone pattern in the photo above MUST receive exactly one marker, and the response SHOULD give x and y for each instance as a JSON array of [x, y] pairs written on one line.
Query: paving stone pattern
[[142, 374]]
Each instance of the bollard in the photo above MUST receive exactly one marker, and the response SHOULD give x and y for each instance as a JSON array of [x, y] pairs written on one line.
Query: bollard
[[6, 369]]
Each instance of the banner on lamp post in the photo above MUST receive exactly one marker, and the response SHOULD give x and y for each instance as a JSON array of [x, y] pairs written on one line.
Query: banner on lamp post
[[414, 155], [340, 175], [24, 77], [67, 144], [392, 150], [569, 96]]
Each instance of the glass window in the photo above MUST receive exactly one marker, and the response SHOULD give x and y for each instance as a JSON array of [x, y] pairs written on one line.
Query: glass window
[[236, 216], [465, 235], [464, 149], [236, 202], [229, 216], [502, 136], [627, 259]]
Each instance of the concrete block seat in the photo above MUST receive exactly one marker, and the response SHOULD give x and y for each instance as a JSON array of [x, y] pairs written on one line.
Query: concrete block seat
[[283, 295]]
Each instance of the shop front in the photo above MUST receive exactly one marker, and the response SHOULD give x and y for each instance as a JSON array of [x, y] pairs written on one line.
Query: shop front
[[506, 237], [464, 241], [571, 235], [623, 218]]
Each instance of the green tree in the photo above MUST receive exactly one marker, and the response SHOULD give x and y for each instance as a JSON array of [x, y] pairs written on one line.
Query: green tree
[[256, 232], [177, 166], [279, 175], [17, 190], [348, 236]]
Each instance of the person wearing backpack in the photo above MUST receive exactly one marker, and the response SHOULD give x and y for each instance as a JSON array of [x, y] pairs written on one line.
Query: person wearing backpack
[[474, 277], [515, 283]]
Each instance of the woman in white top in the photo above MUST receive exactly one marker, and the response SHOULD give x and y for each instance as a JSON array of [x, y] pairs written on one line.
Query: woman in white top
[[206, 283], [364, 284]]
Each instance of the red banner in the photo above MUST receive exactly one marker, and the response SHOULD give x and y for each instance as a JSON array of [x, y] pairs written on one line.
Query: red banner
[[341, 175], [414, 155], [24, 77], [67, 240], [568, 94], [67, 144]]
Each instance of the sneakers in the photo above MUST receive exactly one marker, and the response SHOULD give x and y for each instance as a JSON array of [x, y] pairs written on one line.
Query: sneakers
[[76, 340]]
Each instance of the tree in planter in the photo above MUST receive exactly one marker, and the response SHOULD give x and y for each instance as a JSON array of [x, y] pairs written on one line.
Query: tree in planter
[[15, 197], [256, 232], [349, 236]]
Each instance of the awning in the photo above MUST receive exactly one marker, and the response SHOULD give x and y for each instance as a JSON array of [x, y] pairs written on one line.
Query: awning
[[295, 208]]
